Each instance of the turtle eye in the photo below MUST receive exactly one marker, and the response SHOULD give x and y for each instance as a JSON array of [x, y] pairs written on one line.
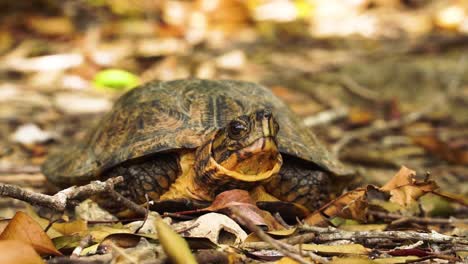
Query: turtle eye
[[237, 129]]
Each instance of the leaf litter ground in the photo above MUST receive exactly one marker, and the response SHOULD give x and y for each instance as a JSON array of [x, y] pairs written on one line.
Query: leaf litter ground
[[379, 104]]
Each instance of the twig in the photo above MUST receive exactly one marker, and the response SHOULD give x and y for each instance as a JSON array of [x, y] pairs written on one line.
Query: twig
[[422, 220], [24, 179], [281, 220], [21, 169], [83, 244], [60, 200], [325, 117], [146, 215], [282, 247], [127, 203], [359, 90], [299, 239], [377, 127], [331, 234], [118, 251]]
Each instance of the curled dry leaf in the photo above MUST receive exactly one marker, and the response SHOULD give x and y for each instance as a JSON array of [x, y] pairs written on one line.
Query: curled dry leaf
[[402, 190], [349, 205], [241, 199], [23, 228], [122, 240], [452, 149], [218, 228]]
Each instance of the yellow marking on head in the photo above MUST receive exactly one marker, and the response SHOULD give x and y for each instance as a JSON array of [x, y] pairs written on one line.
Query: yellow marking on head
[[266, 128]]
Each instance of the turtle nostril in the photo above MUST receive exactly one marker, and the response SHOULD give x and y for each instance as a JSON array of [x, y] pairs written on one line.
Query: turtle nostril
[[263, 114]]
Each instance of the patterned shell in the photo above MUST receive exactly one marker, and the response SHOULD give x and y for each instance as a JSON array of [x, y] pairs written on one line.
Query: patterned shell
[[167, 116]]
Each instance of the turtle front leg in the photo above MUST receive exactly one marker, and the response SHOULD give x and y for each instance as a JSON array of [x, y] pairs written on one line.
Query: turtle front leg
[[153, 176], [301, 183]]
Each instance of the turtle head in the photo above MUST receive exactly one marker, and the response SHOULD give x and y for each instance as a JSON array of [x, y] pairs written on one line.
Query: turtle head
[[247, 145], [240, 155]]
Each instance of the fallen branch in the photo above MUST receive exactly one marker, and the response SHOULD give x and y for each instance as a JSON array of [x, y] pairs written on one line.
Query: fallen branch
[[359, 90], [332, 234], [375, 128], [325, 117], [285, 249], [127, 203], [60, 200], [20, 170], [299, 239], [421, 220]]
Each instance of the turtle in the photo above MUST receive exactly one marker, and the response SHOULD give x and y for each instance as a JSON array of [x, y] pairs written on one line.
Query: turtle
[[193, 139]]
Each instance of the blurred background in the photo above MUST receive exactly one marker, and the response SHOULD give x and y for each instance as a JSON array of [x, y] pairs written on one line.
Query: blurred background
[[383, 82]]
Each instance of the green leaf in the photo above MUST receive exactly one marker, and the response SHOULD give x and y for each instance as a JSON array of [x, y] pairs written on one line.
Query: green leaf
[[115, 79]]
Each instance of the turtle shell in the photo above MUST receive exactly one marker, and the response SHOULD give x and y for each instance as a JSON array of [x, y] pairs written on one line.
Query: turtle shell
[[169, 116]]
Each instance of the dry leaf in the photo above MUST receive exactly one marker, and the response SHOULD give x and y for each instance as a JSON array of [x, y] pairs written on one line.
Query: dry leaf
[[52, 26], [122, 240], [241, 199], [454, 150], [404, 189], [396, 260], [174, 245], [349, 205], [23, 228], [404, 177], [67, 242], [212, 226], [351, 260], [337, 249], [71, 228], [100, 232], [286, 260], [360, 117], [14, 251]]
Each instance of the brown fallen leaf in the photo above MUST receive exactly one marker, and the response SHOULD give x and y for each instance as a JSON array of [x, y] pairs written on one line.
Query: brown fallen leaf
[[360, 117], [122, 240], [23, 228], [404, 177], [241, 199], [52, 26], [454, 150], [349, 205], [14, 251], [404, 189]]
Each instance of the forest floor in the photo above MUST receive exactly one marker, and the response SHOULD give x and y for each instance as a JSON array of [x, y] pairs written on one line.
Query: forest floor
[[390, 100]]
